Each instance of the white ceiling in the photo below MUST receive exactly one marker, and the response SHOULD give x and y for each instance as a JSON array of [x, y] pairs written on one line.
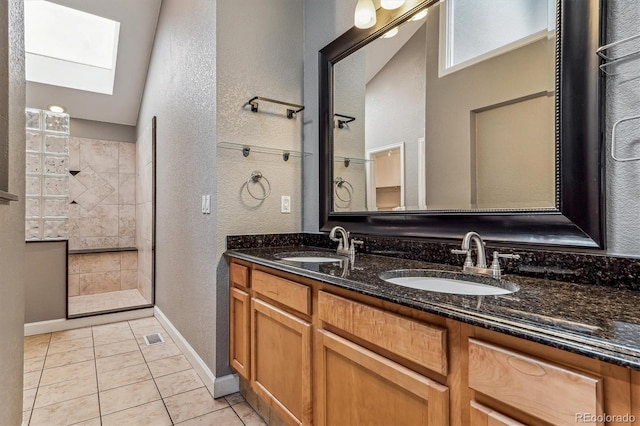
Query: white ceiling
[[138, 20]]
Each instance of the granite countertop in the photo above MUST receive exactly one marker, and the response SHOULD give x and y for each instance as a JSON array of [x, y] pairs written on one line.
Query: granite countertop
[[598, 322]]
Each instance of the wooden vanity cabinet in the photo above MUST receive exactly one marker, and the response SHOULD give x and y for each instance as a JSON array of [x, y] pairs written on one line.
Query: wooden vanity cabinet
[[281, 346], [513, 381], [239, 319], [318, 354], [358, 385]]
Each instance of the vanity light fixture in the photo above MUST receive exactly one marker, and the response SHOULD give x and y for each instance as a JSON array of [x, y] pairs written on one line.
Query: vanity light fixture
[[420, 15], [391, 4], [365, 14], [58, 109], [392, 32]]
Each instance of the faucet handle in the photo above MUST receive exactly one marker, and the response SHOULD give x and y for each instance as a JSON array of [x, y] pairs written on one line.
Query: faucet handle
[[495, 265], [467, 261], [354, 242]]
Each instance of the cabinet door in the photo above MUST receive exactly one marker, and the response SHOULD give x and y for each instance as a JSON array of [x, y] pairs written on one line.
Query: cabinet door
[[281, 361], [357, 386], [239, 335], [483, 416]]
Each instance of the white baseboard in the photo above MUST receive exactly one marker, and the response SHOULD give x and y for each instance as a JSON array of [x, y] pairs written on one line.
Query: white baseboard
[[218, 386], [41, 327]]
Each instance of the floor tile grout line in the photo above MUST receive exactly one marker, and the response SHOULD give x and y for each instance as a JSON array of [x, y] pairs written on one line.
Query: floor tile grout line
[[33, 405], [95, 364], [154, 380]]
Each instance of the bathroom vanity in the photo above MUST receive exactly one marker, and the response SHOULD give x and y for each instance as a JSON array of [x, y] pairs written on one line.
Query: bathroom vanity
[[332, 343]]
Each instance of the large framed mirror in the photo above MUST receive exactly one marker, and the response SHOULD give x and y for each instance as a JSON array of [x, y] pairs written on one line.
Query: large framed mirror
[[480, 115]]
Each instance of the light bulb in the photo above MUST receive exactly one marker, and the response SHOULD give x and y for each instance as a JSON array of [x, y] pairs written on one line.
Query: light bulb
[[365, 15], [392, 32], [420, 15], [391, 4]]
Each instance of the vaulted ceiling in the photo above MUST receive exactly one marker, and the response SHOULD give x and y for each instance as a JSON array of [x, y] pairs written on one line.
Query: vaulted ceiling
[[138, 20]]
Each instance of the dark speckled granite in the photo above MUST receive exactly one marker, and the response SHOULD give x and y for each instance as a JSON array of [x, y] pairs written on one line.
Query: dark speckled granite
[[592, 320], [593, 268]]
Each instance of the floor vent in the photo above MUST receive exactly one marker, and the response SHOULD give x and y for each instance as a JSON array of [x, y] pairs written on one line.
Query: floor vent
[[153, 339]]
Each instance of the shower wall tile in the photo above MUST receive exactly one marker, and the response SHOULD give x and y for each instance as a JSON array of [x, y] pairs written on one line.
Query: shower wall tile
[[128, 280], [102, 272], [74, 154], [96, 242], [129, 260], [99, 282], [100, 155], [113, 180], [102, 221], [105, 193], [99, 262], [92, 197], [73, 283], [127, 221], [126, 241], [127, 189], [76, 188], [127, 157], [73, 264]]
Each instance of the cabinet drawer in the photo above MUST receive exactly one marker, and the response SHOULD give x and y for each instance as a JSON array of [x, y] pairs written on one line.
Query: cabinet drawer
[[415, 341], [239, 275], [483, 416], [547, 391], [291, 294]]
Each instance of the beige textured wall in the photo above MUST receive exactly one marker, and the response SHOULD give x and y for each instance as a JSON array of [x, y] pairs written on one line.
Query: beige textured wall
[[349, 99], [45, 281], [180, 91], [396, 108], [448, 127], [323, 22], [144, 212], [261, 57], [12, 243], [104, 192]]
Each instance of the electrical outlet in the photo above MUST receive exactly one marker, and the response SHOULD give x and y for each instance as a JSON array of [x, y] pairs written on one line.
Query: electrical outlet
[[285, 204]]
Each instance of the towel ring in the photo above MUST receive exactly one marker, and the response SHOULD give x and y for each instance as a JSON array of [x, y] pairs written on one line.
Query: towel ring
[[255, 178], [339, 183]]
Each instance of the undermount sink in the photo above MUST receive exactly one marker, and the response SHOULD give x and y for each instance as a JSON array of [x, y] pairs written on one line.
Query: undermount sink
[[310, 257], [448, 282]]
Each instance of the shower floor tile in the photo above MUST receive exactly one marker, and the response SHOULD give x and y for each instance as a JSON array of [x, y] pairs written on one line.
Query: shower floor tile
[[105, 301]]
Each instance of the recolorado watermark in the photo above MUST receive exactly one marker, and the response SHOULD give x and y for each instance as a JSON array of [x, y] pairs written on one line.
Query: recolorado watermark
[[605, 418]]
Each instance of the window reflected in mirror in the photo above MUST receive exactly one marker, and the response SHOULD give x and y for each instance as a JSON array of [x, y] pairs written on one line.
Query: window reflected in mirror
[[472, 107]]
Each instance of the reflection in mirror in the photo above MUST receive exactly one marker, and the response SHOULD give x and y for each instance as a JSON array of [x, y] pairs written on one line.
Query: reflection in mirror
[[474, 80]]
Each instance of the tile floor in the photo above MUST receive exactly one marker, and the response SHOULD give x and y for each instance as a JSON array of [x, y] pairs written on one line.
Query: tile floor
[[101, 302], [107, 375]]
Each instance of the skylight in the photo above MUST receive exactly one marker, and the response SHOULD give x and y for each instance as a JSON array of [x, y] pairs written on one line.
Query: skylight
[[70, 48]]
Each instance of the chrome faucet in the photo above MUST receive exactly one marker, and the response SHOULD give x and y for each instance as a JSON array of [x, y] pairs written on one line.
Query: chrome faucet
[[481, 260], [345, 247], [343, 240]]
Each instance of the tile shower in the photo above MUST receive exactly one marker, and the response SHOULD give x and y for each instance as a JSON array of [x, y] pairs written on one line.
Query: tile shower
[[103, 198]]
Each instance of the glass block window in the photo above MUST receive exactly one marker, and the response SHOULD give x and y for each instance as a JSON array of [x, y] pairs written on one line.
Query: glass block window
[[47, 180]]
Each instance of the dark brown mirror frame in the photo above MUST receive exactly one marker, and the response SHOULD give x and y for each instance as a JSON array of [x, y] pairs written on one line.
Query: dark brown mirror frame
[[579, 217]]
